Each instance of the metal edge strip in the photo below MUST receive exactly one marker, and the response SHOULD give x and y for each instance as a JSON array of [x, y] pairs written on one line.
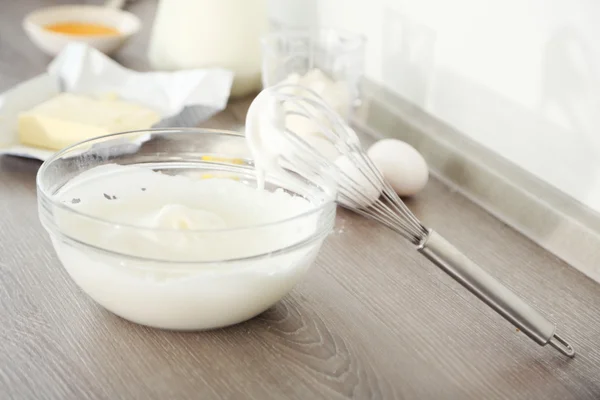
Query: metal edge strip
[[552, 219]]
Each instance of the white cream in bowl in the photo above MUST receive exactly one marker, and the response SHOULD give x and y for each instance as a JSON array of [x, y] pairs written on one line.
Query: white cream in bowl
[[178, 252]]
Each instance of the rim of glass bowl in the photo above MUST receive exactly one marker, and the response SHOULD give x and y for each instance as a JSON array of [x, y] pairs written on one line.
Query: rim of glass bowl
[[355, 40], [44, 196]]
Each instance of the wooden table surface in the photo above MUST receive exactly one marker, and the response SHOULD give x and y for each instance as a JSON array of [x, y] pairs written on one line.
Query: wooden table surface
[[373, 319]]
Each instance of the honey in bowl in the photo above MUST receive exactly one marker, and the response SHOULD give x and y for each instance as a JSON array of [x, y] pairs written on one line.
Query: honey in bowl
[[82, 29]]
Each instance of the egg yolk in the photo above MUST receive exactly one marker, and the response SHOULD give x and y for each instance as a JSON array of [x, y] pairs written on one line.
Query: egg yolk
[[82, 29]]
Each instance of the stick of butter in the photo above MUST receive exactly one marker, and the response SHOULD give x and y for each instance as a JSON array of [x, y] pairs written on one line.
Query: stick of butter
[[69, 118]]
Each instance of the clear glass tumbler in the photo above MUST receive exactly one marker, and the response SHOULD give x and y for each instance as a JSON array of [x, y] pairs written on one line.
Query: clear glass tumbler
[[339, 55]]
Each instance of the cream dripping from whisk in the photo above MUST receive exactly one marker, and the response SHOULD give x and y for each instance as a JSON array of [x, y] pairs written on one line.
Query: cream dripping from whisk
[[271, 146], [264, 135], [273, 149]]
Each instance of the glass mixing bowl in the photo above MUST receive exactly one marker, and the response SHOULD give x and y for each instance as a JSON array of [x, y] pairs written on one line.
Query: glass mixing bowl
[[232, 283]]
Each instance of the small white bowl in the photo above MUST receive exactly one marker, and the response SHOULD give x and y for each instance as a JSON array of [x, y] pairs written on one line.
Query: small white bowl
[[52, 42]]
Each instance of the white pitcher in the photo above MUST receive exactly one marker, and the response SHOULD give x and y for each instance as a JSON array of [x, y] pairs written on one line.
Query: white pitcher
[[210, 33]]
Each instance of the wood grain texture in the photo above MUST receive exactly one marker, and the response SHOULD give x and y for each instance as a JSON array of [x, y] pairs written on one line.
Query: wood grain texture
[[373, 319]]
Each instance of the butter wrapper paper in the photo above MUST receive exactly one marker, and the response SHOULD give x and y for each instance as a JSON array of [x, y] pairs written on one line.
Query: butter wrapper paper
[[182, 98]]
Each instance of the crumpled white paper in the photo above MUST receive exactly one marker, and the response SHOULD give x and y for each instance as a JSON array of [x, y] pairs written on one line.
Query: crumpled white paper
[[182, 98]]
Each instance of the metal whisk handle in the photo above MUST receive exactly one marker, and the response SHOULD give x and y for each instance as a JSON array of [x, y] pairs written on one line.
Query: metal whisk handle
[[452, 261]]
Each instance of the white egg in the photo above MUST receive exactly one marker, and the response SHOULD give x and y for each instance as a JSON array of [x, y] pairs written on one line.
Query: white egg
[[401, 165], [366, 191]]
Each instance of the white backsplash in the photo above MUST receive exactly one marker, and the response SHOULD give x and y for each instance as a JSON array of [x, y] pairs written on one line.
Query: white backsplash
[[521, 77], [292, 13]]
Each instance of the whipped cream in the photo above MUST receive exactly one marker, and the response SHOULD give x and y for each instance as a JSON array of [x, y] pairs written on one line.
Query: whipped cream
[[278, 143], [177, 252]]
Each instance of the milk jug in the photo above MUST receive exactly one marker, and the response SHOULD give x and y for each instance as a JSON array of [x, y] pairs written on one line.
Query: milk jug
[[211, 33]]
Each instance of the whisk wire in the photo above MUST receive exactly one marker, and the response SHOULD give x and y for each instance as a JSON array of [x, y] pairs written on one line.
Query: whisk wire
[[352, 189], [363, 189]]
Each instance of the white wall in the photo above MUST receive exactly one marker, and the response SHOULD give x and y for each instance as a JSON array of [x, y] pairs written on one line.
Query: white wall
[[521, 77]]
